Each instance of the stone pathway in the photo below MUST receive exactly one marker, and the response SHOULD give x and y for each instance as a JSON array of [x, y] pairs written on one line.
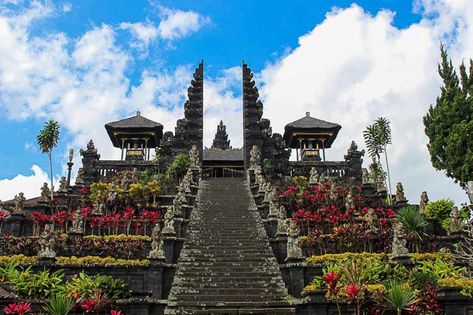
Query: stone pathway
[[226, 265]]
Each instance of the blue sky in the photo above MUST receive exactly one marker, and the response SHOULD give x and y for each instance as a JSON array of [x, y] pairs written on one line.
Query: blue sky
[[89, 62]]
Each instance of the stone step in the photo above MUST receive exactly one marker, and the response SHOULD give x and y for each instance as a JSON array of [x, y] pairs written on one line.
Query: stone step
[[231, 304], [227, 298], [229, 291]]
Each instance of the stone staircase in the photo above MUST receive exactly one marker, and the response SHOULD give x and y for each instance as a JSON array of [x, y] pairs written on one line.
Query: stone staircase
[[226, 265]]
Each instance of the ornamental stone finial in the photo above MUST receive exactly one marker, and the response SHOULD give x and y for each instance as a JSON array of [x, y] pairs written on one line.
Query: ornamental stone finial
[[424, 201], [400, 197], [456, 225]]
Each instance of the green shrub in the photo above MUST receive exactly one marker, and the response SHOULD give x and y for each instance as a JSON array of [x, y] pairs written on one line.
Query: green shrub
[[59, 304], [87, 285], [180, 164], [439, 209]]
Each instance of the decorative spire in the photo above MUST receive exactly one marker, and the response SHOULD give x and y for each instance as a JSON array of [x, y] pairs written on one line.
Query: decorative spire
[[221, 138]]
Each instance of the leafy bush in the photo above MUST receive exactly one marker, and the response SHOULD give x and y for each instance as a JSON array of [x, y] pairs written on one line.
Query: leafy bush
[[59, 304], [180, 164], [439, 210], [87, 286], [100, 261], [414, 223], [35, 285]]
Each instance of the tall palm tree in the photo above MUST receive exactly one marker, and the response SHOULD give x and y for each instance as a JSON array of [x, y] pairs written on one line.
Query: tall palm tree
[[384, 131], [377, 136], [47, 139]]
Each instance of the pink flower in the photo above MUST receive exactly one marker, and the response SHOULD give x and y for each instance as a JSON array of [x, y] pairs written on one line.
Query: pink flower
[[115, 312], [390, 213], [353, 291], [18, 308]]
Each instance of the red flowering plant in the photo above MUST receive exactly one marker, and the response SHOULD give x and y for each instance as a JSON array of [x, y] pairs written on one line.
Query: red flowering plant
[[127, 218], [39, 221], [17, 308], [95, 304], [149, 218]]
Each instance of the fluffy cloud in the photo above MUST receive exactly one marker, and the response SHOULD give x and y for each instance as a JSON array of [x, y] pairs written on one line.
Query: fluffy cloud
[[355, 67], [29, 184], [177, 24]]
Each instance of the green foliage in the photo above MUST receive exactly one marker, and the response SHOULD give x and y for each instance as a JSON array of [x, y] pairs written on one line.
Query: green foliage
[[449, 123], [268, 168], [87, 285], [59, 304], [48, 137], [432, 271], [399, 296], [440, 210], [36, 285], [412, 221], [180, 164]]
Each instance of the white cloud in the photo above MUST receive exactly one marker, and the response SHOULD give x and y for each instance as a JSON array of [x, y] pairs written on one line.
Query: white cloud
[[67, 7], [355, 67], [177, 24], [143, 34], [30, 185]]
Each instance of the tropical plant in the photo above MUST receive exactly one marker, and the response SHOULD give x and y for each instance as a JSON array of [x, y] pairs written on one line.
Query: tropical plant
[[413, 223], [59, 304], [399, 297], [377, 136], [47, 139], [178, 166], [17, 308], [439, 210]]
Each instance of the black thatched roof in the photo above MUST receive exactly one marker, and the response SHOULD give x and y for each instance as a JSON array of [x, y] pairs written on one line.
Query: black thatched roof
[[310, 125], [223, 155], [135, 125]]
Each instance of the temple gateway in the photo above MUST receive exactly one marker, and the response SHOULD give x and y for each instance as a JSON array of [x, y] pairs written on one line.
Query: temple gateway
[[173, 227]]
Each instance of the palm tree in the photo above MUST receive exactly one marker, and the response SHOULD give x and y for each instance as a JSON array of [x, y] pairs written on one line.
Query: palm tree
[[399, 297], [47, 139], [413, 222], [372, 141], [377, 136], [384, 131]]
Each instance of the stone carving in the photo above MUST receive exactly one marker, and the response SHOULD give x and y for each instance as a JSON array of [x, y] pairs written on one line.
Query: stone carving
[[255, 157], [169, 223], [77, 222], [273, 203], [46, 243], [19, 203], [399, 248], [293, 248], [371, 218], [194, 156], [177, 207], [314, 176], [400, 197], [456, 225], [424, 201], [282, 221], [63, 184], [267, 191], [80, 177], [45, 193], [349, 202], [365, 177], [156, 243], [221, 138]]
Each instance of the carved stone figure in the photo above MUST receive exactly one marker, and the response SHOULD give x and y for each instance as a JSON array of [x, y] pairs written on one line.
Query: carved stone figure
[[349, 202], [63, 184], [77, 222], [273, 203], [169, 223], [176, 207], [365, 177], [80, 177], [45, 193], [399, 248], [456, 225], [19, 203], [424, 201], [255, 157], [400, 197], [46, 243], [194, 156], [156, 243], [282, 222], [314, 176], [267, 191], [293, 248], [371, 218]]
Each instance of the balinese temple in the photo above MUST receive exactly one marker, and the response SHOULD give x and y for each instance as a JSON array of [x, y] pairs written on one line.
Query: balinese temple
[[310, 137], [135, 136], [221, 160]]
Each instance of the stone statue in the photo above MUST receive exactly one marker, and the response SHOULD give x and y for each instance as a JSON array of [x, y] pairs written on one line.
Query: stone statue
[[19, 203], [45, 193], [371, 218], [282, 221], [399, 248], [273, 203], [400, 197], [156, 243], [63, 184], [177, 207], [194, 156], [314, 176], [46, 243], [293, 248], [333, 189], [80, 177], [456, 225], [255, 157], [267, 191], [77, 222], [424, 201], [365, 176], [169, 223], [380, 185]]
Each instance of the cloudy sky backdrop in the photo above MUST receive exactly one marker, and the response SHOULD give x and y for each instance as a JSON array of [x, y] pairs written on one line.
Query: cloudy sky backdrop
[[86, 63]]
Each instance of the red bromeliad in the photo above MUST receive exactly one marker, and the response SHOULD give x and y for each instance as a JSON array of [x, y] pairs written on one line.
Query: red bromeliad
[[18, 308]]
